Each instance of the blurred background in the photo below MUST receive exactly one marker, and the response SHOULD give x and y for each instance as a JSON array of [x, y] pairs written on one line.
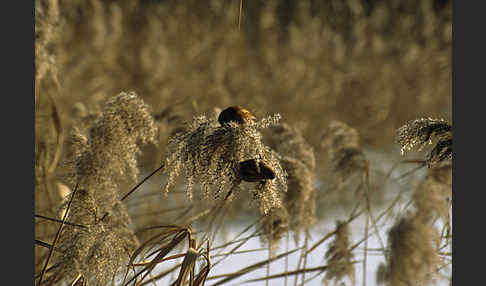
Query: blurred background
[[373, 65]]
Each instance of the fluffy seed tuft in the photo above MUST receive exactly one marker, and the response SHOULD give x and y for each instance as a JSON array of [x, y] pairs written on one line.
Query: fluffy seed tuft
[[219, 157], [419, 133]]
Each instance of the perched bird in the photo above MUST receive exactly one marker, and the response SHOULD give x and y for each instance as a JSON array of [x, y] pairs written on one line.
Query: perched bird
[[253, 171], [237, 114]]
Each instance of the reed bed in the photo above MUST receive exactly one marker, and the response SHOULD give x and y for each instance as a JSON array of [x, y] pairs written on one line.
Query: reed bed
[[173, 138]]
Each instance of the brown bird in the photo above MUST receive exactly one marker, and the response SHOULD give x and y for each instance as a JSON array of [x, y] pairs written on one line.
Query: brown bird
[[253, 171], [237, 114]]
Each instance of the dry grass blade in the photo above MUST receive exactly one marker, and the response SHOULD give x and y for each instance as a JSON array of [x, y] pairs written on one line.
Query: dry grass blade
[[197, 216], [244, 239], [286, 258], [368, 207], [200, 279], [59, 221], [370, 214], [295, 272], [365, 254], [391, 206], [248, 269], [137, 185], [161, 236], [218, 211], [241, 252], [187, 267], [161, 260], [44, 244], [202, 276], [388, 175], [187, 211], [175, 241], [241, 241], [60, 137], [156, 213], [303, 258], [181, 235], [142, 181], [75, 281], [268, 264], [161, 275], [241, 233], [239, 15], [57, 236], [327, 236], [171, 229], [49, 269], [406, 174]]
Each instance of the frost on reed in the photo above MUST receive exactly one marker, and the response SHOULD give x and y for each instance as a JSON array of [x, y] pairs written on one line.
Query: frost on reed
[[103, 157], [345, 157], [412, 257], [339, 256], [299, 162], [218, 156], [419, 133]]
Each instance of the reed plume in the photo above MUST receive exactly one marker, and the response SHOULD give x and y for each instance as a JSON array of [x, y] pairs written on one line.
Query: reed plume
[[433, 195], [421, 132], [275, 225], [298, 161], [98, 251], [339, 256], [346, 159], [412, 257], [219, 156]]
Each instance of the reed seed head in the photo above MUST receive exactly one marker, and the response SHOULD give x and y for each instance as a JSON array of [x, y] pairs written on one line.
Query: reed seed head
[[288, 141], [298, 161], [103, 158], [219, 157], [433, 195], [419, 133], [274, 226], [412, 255], [339, 256], [345, 156]]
